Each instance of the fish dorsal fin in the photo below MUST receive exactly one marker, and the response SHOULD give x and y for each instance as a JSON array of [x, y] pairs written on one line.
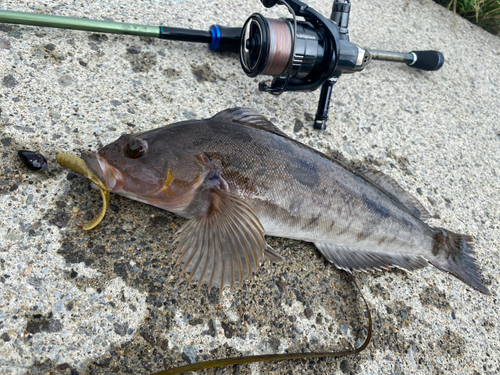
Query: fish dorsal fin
[[387, 184], [223, 245], [350, 259], [249, 117]]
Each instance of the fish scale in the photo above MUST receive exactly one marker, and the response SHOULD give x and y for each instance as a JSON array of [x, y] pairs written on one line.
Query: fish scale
[[331, 198], [236, 178]]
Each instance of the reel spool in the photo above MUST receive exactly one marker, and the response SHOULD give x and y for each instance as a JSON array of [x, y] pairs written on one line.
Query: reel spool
[[267, 47], [298, 54]]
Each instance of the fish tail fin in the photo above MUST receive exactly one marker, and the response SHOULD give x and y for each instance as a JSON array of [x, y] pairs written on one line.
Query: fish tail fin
[[453, 254]]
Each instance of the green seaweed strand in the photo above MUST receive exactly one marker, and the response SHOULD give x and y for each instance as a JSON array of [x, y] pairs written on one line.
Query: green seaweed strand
[[273, 357]]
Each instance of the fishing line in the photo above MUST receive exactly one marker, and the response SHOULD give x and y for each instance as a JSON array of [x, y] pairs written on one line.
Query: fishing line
[[276, 357], [279, 47]]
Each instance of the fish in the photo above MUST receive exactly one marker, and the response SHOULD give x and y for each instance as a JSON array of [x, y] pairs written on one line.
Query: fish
[[237, 178]]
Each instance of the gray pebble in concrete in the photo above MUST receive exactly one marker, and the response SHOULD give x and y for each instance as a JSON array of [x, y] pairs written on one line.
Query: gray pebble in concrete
[[4, 44], [189, 354], [66, 80], [9, 81]]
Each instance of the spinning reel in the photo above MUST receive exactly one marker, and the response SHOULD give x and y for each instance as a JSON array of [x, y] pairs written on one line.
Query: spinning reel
[[303, 55], [299, 55]]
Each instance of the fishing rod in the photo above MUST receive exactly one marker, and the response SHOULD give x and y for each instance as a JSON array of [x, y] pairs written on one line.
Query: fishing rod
[[299, 55]]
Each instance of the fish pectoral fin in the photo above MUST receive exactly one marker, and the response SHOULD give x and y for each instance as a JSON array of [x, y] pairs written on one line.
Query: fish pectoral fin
[[392, 187], [272, 255], [249, 117], [223, 245], [350, 259]]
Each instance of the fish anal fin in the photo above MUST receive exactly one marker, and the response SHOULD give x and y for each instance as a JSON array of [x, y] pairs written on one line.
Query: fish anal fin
[[392, 187], [350, 259], [223, 245], [249, 117]]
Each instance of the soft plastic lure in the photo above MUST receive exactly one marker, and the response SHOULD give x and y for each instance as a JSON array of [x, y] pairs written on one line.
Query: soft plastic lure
[[78, 165]]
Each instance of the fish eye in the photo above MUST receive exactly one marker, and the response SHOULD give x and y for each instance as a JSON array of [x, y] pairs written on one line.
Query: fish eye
[[135, 148]]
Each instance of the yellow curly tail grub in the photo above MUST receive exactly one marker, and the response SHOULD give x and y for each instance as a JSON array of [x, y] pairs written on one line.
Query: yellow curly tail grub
[[78, 165]]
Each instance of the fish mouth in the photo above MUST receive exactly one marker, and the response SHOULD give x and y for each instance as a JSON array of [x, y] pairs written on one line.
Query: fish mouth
[[111, 177]]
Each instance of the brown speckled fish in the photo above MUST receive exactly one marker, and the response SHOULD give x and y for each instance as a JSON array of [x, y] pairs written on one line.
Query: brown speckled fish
[[237, 178]]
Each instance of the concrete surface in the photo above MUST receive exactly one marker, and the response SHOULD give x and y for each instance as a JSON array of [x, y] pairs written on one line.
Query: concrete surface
[[109, 300]]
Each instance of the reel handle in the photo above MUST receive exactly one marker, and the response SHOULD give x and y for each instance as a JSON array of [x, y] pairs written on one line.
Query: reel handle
[[425, 60]]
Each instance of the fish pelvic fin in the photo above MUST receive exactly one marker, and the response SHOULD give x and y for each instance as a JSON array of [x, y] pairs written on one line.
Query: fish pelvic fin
[[272, 255], [223, 245], [453, 253], [350, 259]]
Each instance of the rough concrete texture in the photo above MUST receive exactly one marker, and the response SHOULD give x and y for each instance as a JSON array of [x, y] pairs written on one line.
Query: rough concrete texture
[[110, 300]]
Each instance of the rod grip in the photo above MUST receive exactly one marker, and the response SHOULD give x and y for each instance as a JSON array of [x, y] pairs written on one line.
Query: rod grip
[[427, 60]]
